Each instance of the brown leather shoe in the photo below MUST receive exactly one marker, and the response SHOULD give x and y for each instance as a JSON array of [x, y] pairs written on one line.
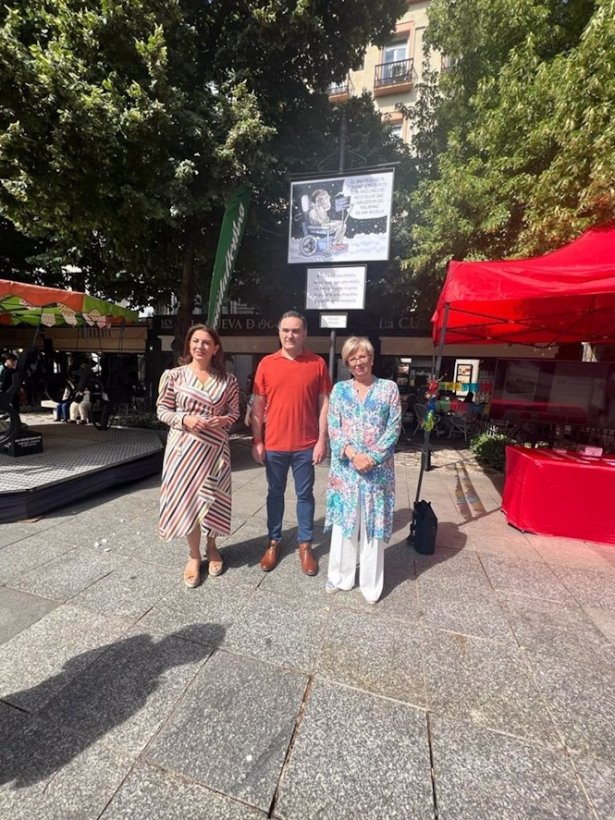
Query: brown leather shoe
[[270, 558], [308, 563]]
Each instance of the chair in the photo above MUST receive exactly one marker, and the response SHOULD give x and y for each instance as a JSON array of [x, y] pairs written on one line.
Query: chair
[[420, 411], [463, 421], [409, 418]]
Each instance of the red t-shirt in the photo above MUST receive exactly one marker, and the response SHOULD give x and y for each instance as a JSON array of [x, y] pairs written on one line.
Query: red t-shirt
[[291, 388]]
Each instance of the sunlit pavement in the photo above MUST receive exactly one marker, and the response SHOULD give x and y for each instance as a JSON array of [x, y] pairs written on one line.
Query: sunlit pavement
[[480, 686]]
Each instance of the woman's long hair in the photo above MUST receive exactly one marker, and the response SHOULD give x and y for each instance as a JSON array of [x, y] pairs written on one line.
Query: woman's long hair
[[218, 365]]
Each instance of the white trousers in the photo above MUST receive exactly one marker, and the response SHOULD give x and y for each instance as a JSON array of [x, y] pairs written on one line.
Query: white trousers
[[343, 560]]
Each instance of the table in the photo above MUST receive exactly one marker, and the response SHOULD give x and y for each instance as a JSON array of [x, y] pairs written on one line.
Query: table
[[565, 494]]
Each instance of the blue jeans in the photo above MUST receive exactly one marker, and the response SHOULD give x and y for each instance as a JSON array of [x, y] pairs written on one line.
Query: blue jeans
[[62, 409], [276, 466]]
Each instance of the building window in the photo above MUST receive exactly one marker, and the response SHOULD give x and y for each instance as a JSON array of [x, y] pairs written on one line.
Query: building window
[[394, 57]]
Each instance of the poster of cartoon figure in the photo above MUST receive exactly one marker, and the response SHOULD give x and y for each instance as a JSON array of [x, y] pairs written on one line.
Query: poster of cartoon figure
[[342, 218]]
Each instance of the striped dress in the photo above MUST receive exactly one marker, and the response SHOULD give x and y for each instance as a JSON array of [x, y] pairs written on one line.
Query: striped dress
[[196, 475]]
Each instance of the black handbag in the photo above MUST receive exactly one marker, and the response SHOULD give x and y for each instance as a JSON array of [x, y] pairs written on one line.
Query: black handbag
[[423, 528]]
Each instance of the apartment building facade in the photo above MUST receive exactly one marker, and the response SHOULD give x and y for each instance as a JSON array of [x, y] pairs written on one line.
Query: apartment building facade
[[393, 73]]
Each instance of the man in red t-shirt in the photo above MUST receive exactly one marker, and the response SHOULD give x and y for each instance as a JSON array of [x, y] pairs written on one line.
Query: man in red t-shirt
[[294, 385]]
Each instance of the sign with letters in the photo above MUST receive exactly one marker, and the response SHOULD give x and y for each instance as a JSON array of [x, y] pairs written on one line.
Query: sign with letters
[[336, 288]]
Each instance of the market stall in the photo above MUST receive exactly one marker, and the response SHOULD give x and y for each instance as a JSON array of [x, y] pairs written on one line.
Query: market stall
[[563, 297], [37, 307]]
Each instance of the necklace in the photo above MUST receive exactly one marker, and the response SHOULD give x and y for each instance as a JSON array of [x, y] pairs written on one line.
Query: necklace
[[361, 387]]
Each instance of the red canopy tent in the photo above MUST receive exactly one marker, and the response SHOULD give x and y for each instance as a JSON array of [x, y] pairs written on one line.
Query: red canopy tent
[[565, 296]]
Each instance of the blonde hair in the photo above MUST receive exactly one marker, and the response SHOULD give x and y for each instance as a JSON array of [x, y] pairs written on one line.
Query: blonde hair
[[355, 343]]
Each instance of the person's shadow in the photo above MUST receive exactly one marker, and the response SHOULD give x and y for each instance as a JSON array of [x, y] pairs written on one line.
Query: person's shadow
[[96, 692]]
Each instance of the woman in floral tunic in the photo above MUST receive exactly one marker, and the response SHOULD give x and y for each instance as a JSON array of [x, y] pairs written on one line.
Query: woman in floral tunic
[[199, 402], [364, 424]]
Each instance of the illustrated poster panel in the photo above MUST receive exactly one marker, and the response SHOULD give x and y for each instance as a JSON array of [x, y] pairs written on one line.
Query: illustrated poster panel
[[341, 219]]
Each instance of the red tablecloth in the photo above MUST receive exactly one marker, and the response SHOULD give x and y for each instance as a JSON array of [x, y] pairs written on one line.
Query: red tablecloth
[[563, 494]]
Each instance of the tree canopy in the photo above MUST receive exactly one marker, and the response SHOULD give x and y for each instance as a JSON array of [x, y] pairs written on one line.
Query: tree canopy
[[517, 148], [126, 125]]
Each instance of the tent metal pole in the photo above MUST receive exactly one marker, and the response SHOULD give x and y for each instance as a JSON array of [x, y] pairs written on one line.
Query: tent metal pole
[[426, 434]]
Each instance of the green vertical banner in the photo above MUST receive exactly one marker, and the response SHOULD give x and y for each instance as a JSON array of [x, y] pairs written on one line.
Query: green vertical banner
[[231, 233]]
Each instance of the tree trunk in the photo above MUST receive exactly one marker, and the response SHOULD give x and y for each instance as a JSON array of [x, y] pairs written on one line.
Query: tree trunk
[[185, 309]]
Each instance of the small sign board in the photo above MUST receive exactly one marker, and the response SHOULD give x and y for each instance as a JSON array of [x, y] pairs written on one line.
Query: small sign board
[[336, 288], [25, 444], [333, 321]]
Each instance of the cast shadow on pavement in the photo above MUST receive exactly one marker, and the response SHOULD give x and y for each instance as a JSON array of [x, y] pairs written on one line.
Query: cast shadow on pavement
[[97, 691]]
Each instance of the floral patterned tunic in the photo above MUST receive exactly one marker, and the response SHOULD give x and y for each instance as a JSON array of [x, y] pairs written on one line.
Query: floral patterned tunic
[[371, 427], [196, 475]]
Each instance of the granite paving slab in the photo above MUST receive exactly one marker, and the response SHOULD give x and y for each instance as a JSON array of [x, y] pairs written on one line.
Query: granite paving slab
[[212, 607], [151, 794], [467, 610], [399, 597], [250, 501], [579, 696], [50, 772], [451, 535], [599, 780], [501, 541], [130, 590], [86, 529], [232, 730], [129, 690], [29, 553], [357, 756], [556, 629], [289, 580], [529, 578], [67, 575], [280, 630], [19, 610], [566, 552], [11, 720], [41, 660], [19, 531], [374, 654], [484, 775], [485, 682], [459, 567], [142, 541], [589, 588], [242, 552], [604, 620]]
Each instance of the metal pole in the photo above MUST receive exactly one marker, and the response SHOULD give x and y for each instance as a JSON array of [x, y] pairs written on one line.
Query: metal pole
[[426, 434], [343, 135], [332, 356]]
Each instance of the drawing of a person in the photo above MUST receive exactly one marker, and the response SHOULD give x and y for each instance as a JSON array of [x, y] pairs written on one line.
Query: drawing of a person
[[318, 215]]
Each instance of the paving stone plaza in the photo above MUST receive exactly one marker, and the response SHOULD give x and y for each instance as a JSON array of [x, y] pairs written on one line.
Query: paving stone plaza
[[480, 687]]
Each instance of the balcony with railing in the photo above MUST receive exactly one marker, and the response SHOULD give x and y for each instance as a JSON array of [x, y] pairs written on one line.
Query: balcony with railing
[[338, 92], [393, 78]]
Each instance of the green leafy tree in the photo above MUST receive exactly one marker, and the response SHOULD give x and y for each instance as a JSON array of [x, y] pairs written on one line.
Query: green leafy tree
[[516, 153], [125, 126]]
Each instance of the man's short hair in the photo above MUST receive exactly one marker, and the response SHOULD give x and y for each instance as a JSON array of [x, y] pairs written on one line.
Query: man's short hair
[[10, 357], [293, 314]]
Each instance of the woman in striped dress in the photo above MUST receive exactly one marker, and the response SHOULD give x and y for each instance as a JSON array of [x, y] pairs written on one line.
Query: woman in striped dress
[[199, 401]]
